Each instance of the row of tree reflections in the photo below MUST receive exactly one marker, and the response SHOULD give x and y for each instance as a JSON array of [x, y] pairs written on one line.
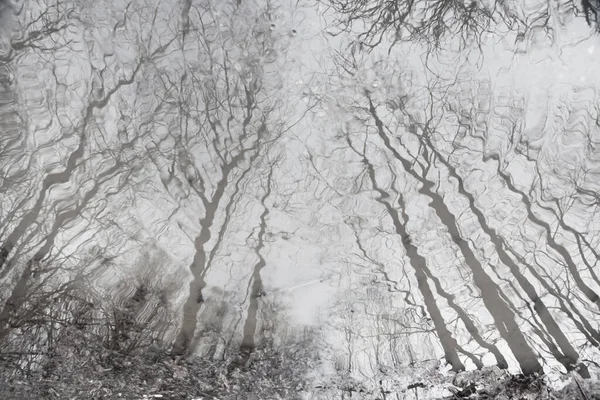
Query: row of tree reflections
[[479, 226], [511, 207], [480, 234], [172, 108], [470, 221]]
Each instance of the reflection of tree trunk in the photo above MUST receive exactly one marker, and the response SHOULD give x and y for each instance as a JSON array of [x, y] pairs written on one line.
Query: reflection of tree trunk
[[195, 299], [418, 263], [571, 265], [504, 318], [249, 332], [448, 342], [199, 266], [570, 356], [464, 317]]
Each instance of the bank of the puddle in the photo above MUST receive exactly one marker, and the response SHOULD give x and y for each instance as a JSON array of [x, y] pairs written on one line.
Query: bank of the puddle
[[159, 375], [423, 382]]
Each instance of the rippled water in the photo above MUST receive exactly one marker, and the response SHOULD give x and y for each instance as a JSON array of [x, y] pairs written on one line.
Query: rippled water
[[413, 203]]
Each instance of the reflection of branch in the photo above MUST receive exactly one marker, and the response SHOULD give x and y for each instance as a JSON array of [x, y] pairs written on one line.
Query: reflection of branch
[[579, 237], [406, 20], [392, 285], [529, 202], [249, 331], [51, 21]]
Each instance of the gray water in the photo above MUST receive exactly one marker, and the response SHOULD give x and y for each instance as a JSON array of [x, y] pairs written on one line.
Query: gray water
[[415, 195]]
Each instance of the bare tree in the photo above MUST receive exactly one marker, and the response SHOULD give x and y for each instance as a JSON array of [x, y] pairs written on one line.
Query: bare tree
[[222, 113], [257, 289], [412, 150], [64, 158], [572, 247]]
